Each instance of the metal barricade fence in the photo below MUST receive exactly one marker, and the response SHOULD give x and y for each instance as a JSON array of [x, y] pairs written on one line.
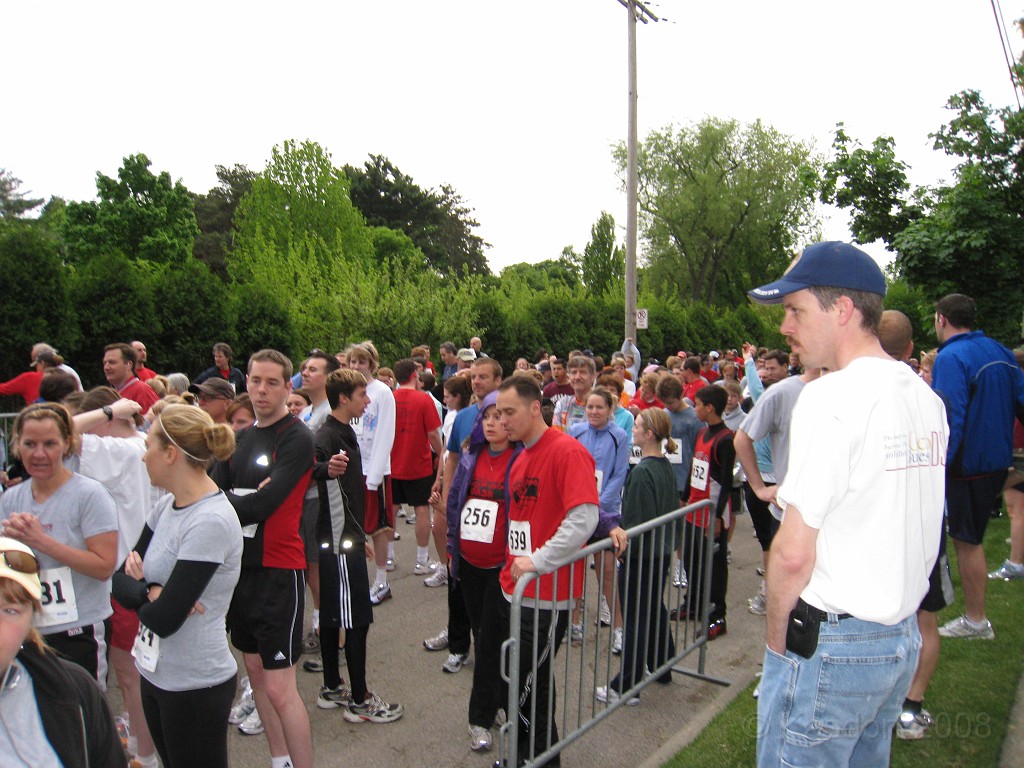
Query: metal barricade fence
[[660, 637], [6, 427]]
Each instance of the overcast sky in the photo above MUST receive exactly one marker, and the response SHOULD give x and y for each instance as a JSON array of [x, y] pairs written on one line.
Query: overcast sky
[[516, 104]]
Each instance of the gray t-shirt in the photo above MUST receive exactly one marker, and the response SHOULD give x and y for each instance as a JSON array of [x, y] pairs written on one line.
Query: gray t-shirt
[[770, 418], [197, 655], [685, 426], [78, 510]]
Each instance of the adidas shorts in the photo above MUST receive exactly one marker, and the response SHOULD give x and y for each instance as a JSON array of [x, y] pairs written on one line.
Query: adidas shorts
[[266, 613]]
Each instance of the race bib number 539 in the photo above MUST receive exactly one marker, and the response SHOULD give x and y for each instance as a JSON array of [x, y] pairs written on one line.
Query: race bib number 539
[[519, 541]]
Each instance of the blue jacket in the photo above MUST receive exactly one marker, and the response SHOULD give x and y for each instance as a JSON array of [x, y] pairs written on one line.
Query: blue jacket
[[610, 448], [983, 387]]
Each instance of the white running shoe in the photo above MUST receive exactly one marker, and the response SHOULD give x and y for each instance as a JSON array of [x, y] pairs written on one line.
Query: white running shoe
[[607, 695], [252, 725], [455, 662], [479, 739], [758, 605], [617, 641], [961, 626], [425, 569], [437, 643], [245, 705], [438, 579], [379, 593], [604, 614]]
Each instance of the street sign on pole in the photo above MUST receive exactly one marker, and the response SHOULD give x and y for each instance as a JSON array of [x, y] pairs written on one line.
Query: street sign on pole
[[641, 319]]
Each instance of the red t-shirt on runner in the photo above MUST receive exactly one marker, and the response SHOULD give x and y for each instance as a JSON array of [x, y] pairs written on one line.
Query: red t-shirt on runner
[[415, 418], [546, 481], [483, 515]]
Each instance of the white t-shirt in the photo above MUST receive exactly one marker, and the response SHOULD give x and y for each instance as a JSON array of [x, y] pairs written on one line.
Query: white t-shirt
[[314, 416], [116, 462], [867, 469]]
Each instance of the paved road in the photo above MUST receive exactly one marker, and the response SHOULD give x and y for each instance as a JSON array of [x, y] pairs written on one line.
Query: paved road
[[433, 733]]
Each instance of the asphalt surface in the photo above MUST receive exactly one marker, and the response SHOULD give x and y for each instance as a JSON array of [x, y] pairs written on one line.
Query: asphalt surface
[[433, 731]]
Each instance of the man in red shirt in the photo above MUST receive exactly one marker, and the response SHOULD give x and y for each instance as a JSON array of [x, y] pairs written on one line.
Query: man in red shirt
[[144, 373], [413, 455], [692, 380], [119, 361], [552, 512]]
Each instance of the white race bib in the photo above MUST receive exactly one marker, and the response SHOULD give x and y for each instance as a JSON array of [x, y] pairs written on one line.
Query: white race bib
[[478, 520], [599, 474], [146, 650], [58, 597], [674, 457], [520, 543], [357, 425], [699, 474], [248, 531], [635, 454]]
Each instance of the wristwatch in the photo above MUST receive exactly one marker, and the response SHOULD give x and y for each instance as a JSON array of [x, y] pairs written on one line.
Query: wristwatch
[[108, 412]]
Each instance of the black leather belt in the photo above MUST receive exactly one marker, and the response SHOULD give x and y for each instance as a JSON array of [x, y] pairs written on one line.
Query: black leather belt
[[823, 615]]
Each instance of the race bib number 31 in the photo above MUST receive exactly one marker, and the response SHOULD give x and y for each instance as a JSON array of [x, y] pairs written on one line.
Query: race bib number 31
[[478, 520], [58, 597], [519, 540]]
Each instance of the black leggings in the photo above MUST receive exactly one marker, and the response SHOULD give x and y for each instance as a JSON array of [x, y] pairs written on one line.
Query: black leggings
[[355, 658], [189, 728]]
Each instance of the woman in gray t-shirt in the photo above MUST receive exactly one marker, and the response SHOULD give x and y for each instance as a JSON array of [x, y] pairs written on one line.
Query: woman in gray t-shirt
[[180, 579], [70, 522]]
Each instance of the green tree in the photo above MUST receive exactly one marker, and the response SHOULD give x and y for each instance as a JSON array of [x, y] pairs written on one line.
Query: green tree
[[14, 203], [193, 311], [36, 285], [115, 294], [602, 265], [873, 184], [545, 275], [965, 237], [143, 215], [437, 221], [723, 206], [295, 231], [215, 213]]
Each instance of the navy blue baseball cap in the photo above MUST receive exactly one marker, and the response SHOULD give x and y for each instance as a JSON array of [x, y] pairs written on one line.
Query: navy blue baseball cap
[[828, 265]]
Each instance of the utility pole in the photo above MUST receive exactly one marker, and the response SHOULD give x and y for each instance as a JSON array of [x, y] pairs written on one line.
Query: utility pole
[[636, 10]]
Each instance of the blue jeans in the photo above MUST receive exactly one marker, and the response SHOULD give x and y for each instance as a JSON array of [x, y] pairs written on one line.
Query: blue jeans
[[837, 708]]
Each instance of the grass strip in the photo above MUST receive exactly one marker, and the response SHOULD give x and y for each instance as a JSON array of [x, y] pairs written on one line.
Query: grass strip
[[970, 695]]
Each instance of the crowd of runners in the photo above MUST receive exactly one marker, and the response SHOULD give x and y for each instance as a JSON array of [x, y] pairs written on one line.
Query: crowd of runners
[[142, 517]]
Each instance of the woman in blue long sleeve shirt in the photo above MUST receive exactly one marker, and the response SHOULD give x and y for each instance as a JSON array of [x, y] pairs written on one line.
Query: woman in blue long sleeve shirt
[[608, 443]]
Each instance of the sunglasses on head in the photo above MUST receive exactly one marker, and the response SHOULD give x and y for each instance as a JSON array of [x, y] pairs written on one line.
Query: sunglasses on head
[[19, 561]]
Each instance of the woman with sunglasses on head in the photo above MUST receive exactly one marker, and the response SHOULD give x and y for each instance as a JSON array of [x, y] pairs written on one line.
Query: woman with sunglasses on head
[[180, 579], [70, 522], [51, 711]]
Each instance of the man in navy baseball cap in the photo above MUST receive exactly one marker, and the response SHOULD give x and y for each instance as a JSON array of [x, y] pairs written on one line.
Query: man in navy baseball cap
[[831, 264]]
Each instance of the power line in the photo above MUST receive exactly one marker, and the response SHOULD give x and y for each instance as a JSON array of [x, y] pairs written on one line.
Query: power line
[[1004, 41]]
